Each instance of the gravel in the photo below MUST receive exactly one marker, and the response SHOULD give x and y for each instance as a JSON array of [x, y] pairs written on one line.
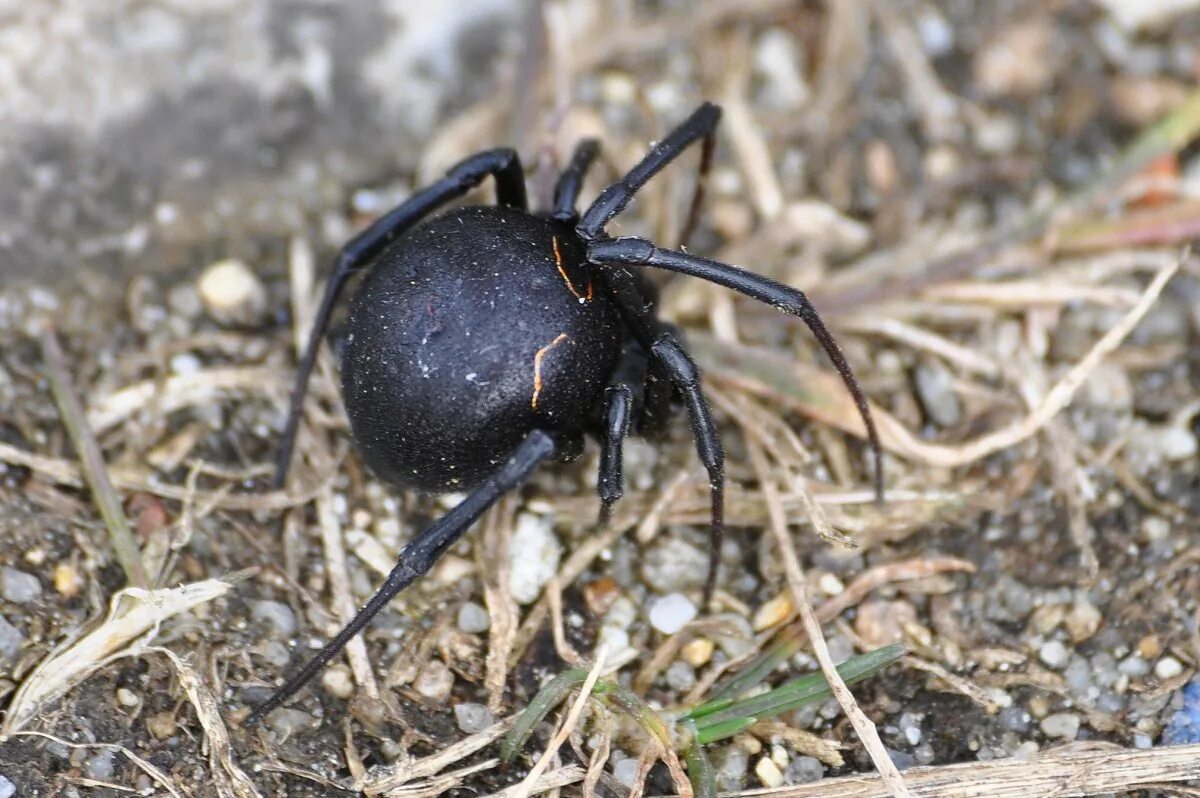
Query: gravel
[[534, 553], [19, 587], [434, 681], [1061, 725], [100, 766], [935, 390], [276, 618], [11, 640], [473, 619], [1054, 654], [472, 718], [674, 565], [671, 613], [7, 788]]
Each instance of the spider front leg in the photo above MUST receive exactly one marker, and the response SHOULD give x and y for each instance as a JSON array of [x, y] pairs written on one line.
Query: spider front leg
[[420, 555], [637, 251], [503, 164], [570, 182]]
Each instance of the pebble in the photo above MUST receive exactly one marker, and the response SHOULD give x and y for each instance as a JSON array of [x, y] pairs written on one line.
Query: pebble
[[434, 681], [1168, 668], [232, 293], [1134, 665], [67, 580], [681, 676], [473, 718], [935, 391], [337, 682], [100, 766], [533, 554], [1054, 654], [1060, 725], [880, 623], [10, 640], [7, 788], [473, 619], [773, 612], [625, 771], [698, 652], [1184, 726], [804, 769], [126, 697], [732, 767], [671, 613], [274, 652], [18, 586], [287, 722], [1017, 60], [1150, 445], [910, 727], [1082, 621], [768, 773], [276, 617], [673, 565]]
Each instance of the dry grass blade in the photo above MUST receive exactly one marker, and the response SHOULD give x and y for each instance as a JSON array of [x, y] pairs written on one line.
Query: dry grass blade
[[799, 586], [555, 780], [230, 779], [380, 780], [92, 461], [134, 616], [1069, 772]]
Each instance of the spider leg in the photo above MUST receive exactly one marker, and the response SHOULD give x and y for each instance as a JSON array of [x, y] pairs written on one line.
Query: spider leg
[[640, 252], [621, 403], [701, 125], [668, 354], [503, 164], [420, 555], [566, 191]]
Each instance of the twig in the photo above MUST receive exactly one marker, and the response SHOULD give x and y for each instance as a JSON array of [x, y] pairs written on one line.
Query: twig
[[799, 586], [1066, 772], [92, 461]]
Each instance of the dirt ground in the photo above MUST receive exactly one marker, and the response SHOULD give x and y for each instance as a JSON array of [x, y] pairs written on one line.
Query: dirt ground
[[991, 203]]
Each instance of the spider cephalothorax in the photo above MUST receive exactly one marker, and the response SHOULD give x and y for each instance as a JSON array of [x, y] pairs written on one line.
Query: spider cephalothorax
[[490, 338]]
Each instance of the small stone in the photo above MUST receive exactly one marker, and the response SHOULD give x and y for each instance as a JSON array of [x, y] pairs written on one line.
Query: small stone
[[768, 773], [127, 698], [671, 613], [100, 766], [1167, 668], [1054, 654], [1152, 445], [680, 676], [67, 580], [600, 594], [1149, 647], [674, 565], [1134, 666], [287, 722], [830, 585], [473, 619], [1017, 60], [473, 718], [434, 681], [337, 682], [804, 769], [7, 788], [276, 617], [162, 725], [698, 652], [232, 293], [1061, 726], [731, 768], [18, 586], [881, 623], [533, 557], [625, 771], [935, 390], [1155, 528], [1082, 621], [11, 640], [772, 613]]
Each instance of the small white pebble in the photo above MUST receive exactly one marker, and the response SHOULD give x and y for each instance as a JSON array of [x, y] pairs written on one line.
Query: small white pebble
[[1168, 668], [671, 613], [1054, 654], [434, 681], [18, 586], [126, 697], [625, 771], [768, 773], [473, 619], [7, 788], [185, 363], [830, 585], [337, 682], [232, 293], [1061, 725], [473, 718], [533, 556]]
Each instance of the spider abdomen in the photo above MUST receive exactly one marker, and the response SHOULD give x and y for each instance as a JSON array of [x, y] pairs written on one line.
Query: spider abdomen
[[469, 332]]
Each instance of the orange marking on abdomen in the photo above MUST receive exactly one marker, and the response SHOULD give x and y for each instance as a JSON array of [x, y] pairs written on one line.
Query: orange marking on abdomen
[[558, 261], [537, 367]]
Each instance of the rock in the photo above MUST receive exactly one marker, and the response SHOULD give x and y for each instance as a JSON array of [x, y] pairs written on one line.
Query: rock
[[534, 553], [674, 565], [731, 768], [768, 773], [232, 293], [935, 391], [1061, 726], [681, 676], [473, 718], [1054, 654], [804, 769], [7, 788], [18, 586], [100, 766], [338, 682], [1082, 620], [11, 640], [773, 612], [698, 652], [275, 617], [1167, 668], [434, 681], [287, 722], [127, 698], [473, 619], [671, 613], [880, 623], [625, 771]]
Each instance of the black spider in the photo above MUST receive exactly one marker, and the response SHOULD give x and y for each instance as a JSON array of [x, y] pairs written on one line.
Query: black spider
[[490, 339]]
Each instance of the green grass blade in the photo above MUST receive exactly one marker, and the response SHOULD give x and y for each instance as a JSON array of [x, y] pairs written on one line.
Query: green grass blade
[[700, 772], [551, 695]]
